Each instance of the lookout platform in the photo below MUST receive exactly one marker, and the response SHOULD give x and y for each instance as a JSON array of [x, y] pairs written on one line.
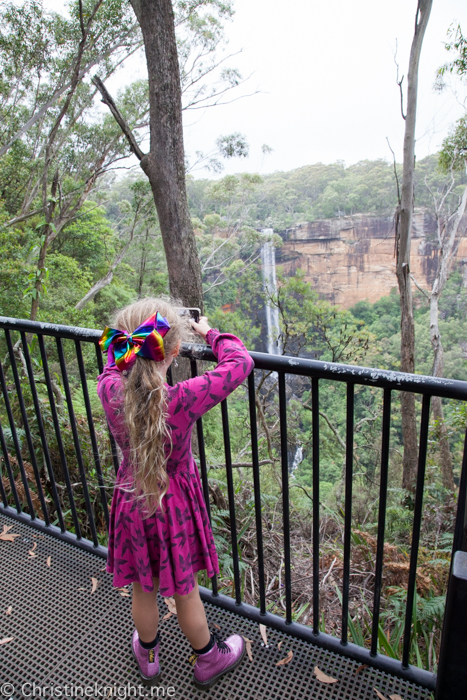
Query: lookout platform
[[71, 642]]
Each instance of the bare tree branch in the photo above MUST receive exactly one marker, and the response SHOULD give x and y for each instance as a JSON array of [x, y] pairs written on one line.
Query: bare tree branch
[[399, 82], [18, 219], [418, 287], [107, 279], [107, 100], [395, 171]]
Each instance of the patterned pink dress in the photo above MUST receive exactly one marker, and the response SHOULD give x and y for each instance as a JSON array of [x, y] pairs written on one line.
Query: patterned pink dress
[[177, 541]]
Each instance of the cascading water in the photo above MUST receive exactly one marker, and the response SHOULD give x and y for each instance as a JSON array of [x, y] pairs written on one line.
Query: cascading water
[[274, 345], [268, 262], [298, 458]]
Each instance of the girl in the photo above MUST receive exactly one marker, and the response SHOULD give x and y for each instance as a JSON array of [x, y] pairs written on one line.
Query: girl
[[160, 535]]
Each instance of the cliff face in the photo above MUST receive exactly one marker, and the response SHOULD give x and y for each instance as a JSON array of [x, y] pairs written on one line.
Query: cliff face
[[353, 258]]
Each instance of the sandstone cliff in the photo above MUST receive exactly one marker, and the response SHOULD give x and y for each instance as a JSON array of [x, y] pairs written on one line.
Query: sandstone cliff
[[352, 258]]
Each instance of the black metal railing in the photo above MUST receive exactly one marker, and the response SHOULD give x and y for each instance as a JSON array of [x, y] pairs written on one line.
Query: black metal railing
[[39, 420]]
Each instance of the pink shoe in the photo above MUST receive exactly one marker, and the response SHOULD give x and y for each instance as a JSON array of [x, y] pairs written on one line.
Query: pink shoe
[[147, 660], [222, 658]]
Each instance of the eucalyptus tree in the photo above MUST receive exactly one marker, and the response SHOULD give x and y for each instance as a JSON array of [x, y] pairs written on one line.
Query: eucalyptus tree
[[177, 68], [457, 47], [164, 165], [452, 159], [45, 56], [448, 231], [49, 132], [404, 216], [199, 33]]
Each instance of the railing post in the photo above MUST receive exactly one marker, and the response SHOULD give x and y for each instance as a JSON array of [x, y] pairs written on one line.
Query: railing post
[[452, 670]]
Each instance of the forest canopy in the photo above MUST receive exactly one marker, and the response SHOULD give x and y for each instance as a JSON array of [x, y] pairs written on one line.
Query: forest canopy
[[319, 191]]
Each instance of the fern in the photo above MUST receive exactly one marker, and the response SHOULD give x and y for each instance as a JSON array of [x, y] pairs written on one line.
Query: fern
[[9, 439], [431, 610]]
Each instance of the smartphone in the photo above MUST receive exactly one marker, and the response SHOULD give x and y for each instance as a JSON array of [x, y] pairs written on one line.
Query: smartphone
[[194, 313]]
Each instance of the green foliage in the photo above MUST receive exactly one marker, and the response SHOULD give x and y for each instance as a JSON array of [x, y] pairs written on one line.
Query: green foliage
[[233, 146], [454, 150], [89, 239], [235, 322], [457, 46], [382, 319], [14, 272], [319, 191], [15, 168], [68, 283], [312, 326], [113, 297], [79, 405], [427, 619], [453, 154]]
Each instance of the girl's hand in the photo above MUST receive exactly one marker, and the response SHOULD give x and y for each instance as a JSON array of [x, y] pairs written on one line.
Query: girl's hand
[[202, 328]]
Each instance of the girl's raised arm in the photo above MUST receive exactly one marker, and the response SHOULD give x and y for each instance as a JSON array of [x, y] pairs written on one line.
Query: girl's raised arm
[[194, 397]]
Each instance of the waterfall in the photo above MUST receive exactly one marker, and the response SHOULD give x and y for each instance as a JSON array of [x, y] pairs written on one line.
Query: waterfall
[[298, 458], [268, 262]]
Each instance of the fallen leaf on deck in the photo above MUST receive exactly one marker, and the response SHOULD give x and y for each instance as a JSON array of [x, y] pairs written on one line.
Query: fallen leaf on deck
[[280, 644], [5, 640], [396, 697], [216, 626], [167, 616], [5, 537], [80, 589], [49, 560], [104, 569], [323, 677], [381, 697], [95, 583], [248, 648], [262, 629], [31, 551], [361, 668], [170, 602], [287, 659], [9, 610], [125, 594]]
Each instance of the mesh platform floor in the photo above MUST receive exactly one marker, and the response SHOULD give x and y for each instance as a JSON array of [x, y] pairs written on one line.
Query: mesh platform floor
[[77, 643]]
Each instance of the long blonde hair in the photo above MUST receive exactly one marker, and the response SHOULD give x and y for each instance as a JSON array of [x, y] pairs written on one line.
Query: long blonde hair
[[146, 402]]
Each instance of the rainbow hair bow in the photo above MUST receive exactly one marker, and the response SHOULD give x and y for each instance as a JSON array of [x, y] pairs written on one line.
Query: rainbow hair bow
[[146, 341]]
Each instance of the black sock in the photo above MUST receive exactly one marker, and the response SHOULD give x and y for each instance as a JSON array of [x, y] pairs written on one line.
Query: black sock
[[149, 645], [205, 649]]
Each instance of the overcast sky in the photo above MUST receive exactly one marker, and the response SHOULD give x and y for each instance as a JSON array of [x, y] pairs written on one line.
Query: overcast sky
[[326, 78]]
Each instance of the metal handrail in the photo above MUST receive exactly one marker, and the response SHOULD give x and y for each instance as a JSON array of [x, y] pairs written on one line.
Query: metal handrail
[[388, 381], [366, 376]]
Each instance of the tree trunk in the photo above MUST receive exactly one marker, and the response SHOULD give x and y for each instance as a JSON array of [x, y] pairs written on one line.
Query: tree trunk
[[403, 240], [436, 402], [447, 235], [142, 267], [47, 237], [164, 165]]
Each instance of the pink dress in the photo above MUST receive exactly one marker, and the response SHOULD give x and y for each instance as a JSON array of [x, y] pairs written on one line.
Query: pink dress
[[177, 541]]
